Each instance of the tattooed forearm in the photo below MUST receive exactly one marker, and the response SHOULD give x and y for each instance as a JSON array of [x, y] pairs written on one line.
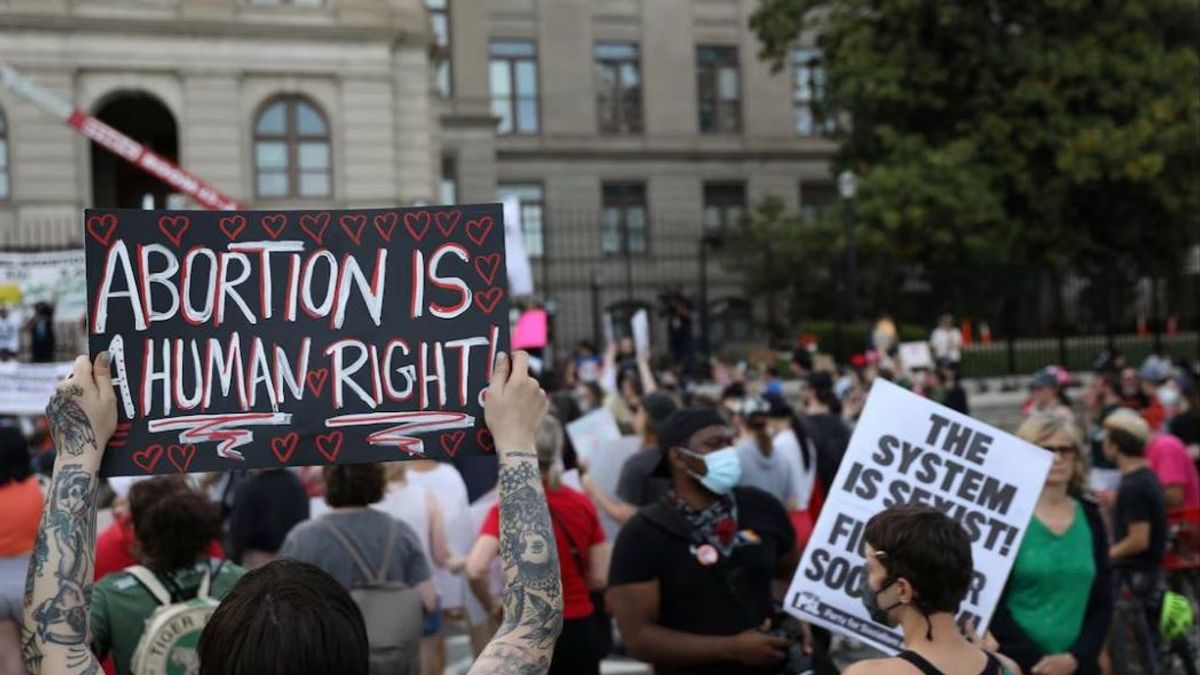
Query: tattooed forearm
[[532, 587], [69, 423], [59, 584]]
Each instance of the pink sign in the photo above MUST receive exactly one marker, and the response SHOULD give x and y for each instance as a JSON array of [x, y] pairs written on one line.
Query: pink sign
[[531, 330]]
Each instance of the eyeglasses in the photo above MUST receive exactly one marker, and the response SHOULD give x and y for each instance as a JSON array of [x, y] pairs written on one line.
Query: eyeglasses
[[1068, 450]]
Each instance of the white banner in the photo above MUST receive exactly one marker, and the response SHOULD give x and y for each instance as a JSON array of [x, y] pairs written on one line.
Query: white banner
[[909, 449], [592, 431], [25, 388], [54, 277]]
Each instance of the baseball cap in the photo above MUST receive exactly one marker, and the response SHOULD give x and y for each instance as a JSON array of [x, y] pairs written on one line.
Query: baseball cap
[[658, 406], [677, 430], [1128, 421], [1043, 379]]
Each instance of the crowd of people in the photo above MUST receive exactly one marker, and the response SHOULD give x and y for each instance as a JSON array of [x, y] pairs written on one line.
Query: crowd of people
[[677, 557]]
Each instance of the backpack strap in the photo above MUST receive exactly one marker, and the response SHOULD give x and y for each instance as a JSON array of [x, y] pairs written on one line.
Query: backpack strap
[[150, 582], [351, 549], [387, 554]]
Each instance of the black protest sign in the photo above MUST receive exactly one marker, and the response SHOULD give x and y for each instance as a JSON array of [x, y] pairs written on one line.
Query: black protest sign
[[261, 339]]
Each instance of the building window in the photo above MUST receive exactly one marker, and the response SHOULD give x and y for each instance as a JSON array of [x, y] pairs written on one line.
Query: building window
[[724, 205], [624, 218], [291, 150], [809, 93], [514, 84], [439, 18], [449, 189], [816, 199], [618, 88], [4, 174], [532, 206], [719, 89]]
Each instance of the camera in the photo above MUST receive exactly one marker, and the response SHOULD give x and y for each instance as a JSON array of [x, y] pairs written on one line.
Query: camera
[[796, 662]]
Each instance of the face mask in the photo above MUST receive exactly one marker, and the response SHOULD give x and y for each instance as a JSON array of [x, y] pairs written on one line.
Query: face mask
[[723, 470], [1168, 396], [870, 600]]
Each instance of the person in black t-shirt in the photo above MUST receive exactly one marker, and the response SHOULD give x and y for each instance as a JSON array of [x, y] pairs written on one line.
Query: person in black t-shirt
[[690, 579], [1140, 512]]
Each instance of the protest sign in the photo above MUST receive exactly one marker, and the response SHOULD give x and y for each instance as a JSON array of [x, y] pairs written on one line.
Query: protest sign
[[907, 449], [54, 277], [640, 327], [915, 355], [531, 330], [593, 430], [25, 387], [261, 339]]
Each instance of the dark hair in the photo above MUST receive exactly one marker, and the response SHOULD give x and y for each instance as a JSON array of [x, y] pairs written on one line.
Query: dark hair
[[829, 399], [1127, 443], [285, 617], [174, 523], [926, 547], [354, 484], [14, 456]]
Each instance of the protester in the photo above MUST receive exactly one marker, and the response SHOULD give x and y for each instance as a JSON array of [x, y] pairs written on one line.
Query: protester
[[673, 611], [175, 526], [267, 504], [10, 335], [918, 569], [1103, 398], [583, 559], [946, 342], [1139, 514], [761, 466], [417, 507], [1134, 397], [790, 440], [286, 617], [21, 504], [1046, 395], [1168, 459], [1184, 423], [829, 432], [638, 484], [41, 333], [1054, 614], [953, 395]]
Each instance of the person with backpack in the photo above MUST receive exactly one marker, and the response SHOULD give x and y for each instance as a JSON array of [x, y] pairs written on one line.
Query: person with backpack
[[583, 562], [168, 597]]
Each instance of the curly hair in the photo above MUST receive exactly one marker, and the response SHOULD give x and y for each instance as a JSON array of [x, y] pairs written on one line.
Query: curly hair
[[354, 484], [174, 523]]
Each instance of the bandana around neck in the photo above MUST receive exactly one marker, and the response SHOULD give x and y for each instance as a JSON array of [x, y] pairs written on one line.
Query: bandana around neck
[[715, 524]]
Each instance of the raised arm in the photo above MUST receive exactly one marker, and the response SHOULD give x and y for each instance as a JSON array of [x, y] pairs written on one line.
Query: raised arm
[[532, 598], [58, 587]]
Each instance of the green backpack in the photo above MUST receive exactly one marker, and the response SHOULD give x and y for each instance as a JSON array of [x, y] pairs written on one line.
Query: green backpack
[[168, 644]]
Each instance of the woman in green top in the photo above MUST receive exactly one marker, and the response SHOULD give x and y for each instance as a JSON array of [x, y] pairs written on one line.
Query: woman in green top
[[1054, 614]]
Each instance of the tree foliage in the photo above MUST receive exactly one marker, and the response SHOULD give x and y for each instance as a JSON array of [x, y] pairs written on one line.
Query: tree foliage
[[1026, 131]]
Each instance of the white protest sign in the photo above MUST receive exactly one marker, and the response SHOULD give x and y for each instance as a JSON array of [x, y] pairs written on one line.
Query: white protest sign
[[640, 325], [593, 430], [520, 273], [914, 355], [25, 387], [908, 449]]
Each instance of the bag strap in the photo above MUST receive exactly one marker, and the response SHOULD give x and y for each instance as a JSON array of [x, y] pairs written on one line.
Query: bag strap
[[363, 568], [151, 583], [387, 553], [575, 552]]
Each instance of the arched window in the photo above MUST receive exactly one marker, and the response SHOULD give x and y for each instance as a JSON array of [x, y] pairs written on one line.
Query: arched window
[[4, 174], [291, 150]]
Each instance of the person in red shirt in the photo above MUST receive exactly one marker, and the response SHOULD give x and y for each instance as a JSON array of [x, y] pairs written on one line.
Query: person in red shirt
[[21, 506], [583, 558], [116, 546]]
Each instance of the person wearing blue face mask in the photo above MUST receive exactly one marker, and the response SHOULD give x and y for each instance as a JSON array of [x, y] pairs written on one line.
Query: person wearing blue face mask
[[690, 579]]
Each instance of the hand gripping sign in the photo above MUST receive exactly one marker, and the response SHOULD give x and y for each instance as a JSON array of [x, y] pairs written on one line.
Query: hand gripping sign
[[262, 339], [909, 449]]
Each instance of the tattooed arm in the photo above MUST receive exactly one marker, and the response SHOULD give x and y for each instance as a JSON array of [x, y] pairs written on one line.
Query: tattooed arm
[[532, 588], [58, 587]]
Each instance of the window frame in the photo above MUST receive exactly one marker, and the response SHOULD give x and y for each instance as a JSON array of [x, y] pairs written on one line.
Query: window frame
[[514, 96], [718, 194], [623, 203], [713, 68], [441, 53], [291, 138], [449, 175], [6, 156], [540, 203], [625, 126], [821, 121]]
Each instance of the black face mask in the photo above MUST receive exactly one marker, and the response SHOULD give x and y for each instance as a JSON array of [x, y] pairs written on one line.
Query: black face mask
[[870, 600]]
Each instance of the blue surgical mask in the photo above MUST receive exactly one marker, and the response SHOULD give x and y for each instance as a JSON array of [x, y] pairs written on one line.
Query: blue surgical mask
[[723, 470]]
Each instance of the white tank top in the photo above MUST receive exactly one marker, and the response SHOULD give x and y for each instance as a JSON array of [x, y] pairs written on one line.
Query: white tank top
[[409, 504]]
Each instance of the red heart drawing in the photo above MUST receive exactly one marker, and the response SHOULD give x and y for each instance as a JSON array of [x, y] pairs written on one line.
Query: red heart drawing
[[417, 223], [232, 226], [181, 456], [148, 459], [274, 224], [284, 446], [385, 224], [314, 226], [487, 266], [173, 227], [329, 445], [486, 300], [316, 380], [102, 227], [478, 230], [451, 441], [353, 224], [447, 221], [484, 437]]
